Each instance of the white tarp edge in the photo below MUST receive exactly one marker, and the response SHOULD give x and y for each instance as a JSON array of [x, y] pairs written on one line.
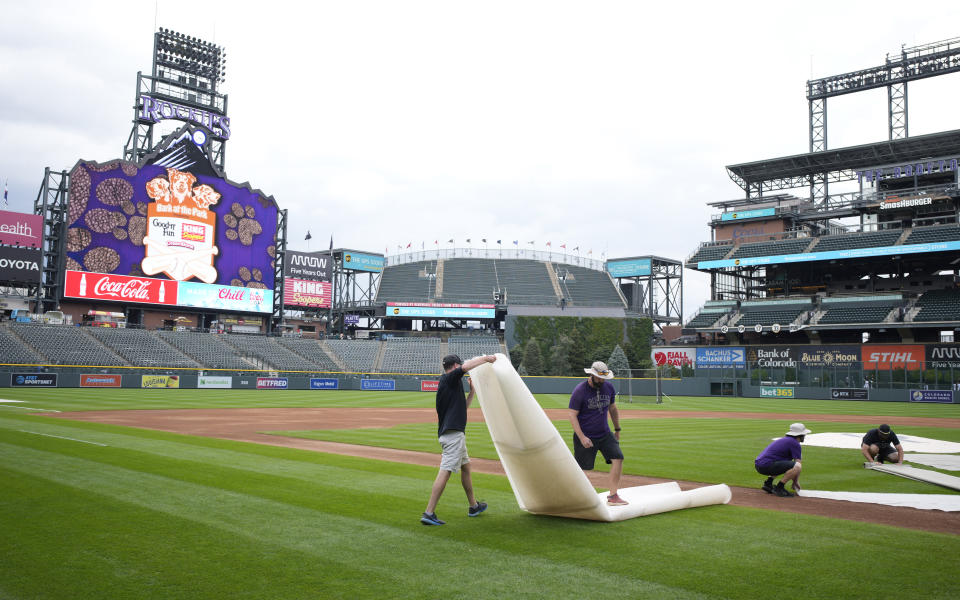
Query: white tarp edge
[[543, 473], [942, 479], [944, 502], [910, 443]]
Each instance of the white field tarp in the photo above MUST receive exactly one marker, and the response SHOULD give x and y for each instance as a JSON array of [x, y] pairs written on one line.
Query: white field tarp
[[542, 471]]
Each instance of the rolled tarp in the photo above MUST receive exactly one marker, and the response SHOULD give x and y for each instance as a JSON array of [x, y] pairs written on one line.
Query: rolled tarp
[[541, 469]]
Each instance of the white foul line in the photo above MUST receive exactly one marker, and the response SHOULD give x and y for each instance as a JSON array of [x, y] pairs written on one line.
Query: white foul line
[[62, 437], [28, 408]]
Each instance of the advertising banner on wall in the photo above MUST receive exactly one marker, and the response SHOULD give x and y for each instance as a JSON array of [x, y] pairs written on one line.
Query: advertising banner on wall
[[828, 356], [98, 380], [943, 356], [939, 396], [160, 381], [33, 380], [677, 357], [324, 383], [429, 386], [20, 264], [885, 358], [186, 225], [776, 392], [719, 357], [272, 383], [21, 229], [214, 381], [850, 393], [378, 384]]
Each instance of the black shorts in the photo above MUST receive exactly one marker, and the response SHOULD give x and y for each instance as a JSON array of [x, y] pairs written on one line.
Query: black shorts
[[775, 468], [607, 445], [885, 450]]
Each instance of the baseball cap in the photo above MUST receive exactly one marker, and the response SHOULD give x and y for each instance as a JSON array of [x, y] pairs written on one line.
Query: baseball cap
[[600, 369], [797, 429], [450, 360], [884, 430]]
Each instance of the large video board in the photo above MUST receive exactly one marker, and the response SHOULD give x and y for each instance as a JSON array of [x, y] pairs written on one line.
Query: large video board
[[306, 279], [629, 267], [155, 223]]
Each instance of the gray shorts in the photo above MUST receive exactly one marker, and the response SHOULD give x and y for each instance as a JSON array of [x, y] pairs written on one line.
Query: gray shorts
[[454, 446]]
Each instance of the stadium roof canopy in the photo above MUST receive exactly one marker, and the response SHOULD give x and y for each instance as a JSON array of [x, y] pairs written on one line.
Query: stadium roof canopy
[[842, 164]]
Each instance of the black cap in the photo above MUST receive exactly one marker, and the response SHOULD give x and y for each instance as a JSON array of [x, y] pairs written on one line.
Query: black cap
[[450, 360], [884, 429]]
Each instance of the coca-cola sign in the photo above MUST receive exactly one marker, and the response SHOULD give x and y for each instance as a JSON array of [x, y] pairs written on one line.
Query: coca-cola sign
[[120, 288]]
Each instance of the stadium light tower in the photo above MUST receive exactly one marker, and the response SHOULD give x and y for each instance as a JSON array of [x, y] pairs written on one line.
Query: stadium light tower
[[183, 86]]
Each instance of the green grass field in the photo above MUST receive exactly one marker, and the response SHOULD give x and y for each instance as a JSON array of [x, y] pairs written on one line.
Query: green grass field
[[99, 511]]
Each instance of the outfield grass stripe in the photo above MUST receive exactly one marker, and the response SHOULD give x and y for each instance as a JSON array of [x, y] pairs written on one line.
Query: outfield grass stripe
[[62, 437], [383, 550]]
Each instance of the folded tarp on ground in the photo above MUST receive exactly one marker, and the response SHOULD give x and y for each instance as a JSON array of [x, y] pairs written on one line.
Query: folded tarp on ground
[[942, 479], [910, 443], [543, 473]]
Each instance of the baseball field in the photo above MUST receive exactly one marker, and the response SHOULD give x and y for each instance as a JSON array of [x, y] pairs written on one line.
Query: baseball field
[[317, 494]]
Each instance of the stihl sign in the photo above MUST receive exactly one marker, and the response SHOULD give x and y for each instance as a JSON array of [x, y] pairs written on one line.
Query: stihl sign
[[885, 358]]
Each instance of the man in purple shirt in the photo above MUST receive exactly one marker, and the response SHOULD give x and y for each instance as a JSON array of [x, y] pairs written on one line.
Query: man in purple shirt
[[782, 457], [590, 403]]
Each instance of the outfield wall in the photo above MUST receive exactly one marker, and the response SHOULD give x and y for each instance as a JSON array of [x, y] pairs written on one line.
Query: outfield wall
[[698, 385]]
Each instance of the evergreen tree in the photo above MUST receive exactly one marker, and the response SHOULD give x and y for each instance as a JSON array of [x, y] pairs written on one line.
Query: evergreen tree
[[560, 357], [618, 362], [532, 359]]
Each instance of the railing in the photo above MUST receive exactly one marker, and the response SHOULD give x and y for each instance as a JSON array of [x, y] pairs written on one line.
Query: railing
[[499, 253]]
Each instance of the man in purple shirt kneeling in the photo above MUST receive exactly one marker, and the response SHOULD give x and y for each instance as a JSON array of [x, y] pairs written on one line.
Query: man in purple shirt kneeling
[[782, 457]]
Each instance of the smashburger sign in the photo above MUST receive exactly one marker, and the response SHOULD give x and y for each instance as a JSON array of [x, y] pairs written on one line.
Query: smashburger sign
[[677, 357]]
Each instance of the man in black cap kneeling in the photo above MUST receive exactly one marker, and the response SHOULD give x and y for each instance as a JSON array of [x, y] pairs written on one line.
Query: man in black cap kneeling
[[452, 415], [882, 445]]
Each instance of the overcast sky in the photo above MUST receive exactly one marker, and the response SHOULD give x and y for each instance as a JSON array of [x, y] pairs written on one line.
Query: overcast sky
[[603, 125]]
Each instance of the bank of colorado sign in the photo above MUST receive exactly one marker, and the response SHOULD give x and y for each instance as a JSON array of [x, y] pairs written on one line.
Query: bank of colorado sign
[[165, 292]]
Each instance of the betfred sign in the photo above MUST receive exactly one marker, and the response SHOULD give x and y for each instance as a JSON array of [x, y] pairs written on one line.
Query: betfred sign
[[429, 386], [886, 358], [272, 383], [20, 229], [100, 381], [120, 288], [682, 357]]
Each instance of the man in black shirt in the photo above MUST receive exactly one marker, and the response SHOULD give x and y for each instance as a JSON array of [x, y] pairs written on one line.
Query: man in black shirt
[[882, 445], [452, 417]]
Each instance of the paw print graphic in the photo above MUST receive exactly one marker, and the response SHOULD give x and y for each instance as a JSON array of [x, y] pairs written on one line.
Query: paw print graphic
[[241, 224], [251, 278]]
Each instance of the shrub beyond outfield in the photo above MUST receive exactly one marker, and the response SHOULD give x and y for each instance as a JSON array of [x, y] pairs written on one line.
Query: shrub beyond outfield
[[98, 511]]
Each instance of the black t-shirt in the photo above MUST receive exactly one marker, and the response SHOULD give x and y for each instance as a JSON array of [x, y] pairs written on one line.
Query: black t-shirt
[[873, 437], [451, 402]]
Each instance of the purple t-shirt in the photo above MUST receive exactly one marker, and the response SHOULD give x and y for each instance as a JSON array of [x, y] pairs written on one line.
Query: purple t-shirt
[[593, 405], [785, 448]]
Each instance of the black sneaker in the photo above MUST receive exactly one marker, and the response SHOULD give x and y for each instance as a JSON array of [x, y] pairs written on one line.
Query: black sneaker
[[767, 487], [781, 491], [474, 511], [431, 519]]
